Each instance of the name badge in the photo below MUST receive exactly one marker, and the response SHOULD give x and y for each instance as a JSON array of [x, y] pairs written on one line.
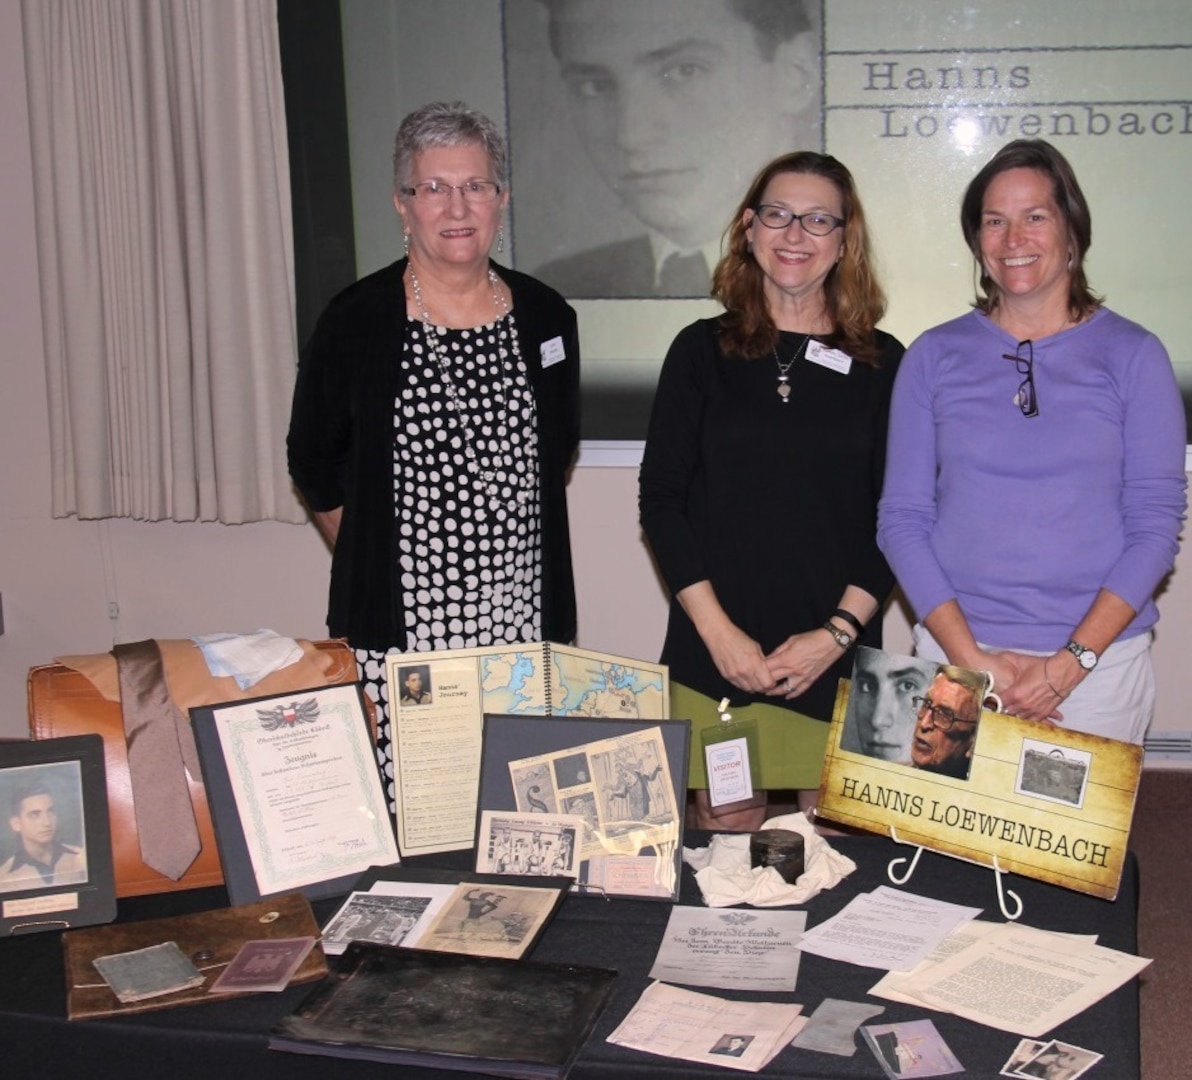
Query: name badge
[[553, 352], [818, 353]]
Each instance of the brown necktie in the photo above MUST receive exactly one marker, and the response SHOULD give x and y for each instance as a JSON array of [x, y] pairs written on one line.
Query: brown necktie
[[159, 740], [684, 275]]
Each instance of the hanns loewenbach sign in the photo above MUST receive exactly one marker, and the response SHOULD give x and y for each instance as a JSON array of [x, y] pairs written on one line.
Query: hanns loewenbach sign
[[1043, 801]]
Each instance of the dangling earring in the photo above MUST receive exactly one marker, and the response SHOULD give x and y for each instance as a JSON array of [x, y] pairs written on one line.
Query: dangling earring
[[500, 239], [406, 238]]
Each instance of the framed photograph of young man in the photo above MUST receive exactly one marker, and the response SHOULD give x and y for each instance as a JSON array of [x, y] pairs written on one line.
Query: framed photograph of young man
[[55, 847]]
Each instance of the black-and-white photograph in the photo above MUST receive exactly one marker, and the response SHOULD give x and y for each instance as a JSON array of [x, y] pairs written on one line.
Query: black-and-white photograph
[[731, 1045], [880, 719], [1023, 1052], [1056, 773], [636, 124], [414, 685], [532, 844], [43, 842], [1058, 1061], [386, 920], [490, 920]]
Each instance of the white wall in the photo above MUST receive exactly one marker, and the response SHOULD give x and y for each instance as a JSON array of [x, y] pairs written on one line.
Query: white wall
[[57, 578]]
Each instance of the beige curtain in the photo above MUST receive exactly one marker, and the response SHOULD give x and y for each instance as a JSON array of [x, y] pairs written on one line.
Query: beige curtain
[[166, 252]]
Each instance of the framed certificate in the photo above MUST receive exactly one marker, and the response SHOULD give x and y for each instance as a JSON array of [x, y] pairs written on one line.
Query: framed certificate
[[294, 791], [55, 845]]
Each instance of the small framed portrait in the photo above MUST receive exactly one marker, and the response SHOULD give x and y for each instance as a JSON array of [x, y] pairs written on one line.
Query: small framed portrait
[[55, 844]]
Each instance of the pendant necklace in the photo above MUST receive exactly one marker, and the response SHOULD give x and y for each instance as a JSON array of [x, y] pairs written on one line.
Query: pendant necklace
[[784, 386], [525, 483]]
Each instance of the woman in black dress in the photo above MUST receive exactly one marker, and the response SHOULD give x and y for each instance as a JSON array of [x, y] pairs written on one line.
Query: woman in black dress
[[762, 472]]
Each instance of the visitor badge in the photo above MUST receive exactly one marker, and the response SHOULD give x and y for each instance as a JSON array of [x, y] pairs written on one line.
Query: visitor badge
[[553, 352], [818, 353], [728, 772]]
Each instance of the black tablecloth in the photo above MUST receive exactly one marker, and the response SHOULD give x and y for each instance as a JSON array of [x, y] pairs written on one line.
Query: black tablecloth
[[229, 1037]]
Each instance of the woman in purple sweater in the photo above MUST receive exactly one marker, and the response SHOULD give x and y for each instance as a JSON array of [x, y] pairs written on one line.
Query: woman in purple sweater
[[1035, 473]]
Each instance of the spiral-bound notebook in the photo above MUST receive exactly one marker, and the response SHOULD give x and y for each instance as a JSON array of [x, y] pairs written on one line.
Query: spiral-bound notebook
[[438, 701]]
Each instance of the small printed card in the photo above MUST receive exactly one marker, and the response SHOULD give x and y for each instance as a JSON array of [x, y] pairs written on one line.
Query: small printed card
[[148, 973], [263, 966]]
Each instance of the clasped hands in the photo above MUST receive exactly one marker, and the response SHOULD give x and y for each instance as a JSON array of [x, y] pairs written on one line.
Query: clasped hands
[[1033, 687], [785, 672]]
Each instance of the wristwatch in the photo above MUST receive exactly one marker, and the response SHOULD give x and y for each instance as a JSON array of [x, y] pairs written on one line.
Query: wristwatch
[[1084, 655], [839, 636]]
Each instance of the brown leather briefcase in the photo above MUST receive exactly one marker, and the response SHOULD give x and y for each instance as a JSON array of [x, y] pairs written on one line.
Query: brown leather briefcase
[[64, 702], [218, 934]]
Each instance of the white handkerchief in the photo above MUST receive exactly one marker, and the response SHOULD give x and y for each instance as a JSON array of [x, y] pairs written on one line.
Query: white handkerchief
[[248, 658]]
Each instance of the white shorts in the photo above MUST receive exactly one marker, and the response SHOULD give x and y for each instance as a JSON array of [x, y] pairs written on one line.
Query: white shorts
[[1116, 699]]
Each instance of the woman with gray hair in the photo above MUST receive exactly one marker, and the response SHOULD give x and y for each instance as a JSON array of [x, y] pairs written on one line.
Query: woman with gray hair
[[435, 418]]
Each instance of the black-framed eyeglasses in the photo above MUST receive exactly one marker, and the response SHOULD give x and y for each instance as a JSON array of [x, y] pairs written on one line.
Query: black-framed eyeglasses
[[814, 222], [941, 716], [1026, 399], [439, 191]]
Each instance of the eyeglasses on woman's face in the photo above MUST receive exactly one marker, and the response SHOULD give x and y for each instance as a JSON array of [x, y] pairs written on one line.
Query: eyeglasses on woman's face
[[815, 222], [439, 192]]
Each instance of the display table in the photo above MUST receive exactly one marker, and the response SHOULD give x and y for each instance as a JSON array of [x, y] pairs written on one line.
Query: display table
[[228, 1038]]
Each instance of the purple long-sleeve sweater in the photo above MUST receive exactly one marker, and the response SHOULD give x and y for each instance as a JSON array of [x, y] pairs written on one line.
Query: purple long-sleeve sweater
[[1022, 520]]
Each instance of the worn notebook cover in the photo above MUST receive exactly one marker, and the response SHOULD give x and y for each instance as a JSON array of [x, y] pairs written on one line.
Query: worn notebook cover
[[512, 1018], [210, 938]]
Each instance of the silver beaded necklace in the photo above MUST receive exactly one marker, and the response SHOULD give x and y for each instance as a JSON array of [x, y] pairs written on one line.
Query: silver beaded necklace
[[523, 484]]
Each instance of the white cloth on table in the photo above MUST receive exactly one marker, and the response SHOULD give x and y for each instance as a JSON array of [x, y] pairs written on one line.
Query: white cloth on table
[[725, 876]]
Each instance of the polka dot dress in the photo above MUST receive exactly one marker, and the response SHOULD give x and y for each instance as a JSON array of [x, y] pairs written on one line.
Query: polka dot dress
[[465, 482]]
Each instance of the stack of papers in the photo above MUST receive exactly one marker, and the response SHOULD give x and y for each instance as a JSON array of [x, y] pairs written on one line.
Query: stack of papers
[[1014, 978], [886, 929]]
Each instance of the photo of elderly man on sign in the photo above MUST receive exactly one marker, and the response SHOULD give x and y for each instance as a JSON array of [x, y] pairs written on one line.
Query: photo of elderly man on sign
[[670, 108], [913, 711], [946, 719]]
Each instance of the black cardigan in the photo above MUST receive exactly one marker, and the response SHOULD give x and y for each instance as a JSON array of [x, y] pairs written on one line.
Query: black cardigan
[[340, 445]]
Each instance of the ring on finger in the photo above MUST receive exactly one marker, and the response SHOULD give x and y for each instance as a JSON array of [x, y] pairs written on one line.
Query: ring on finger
[[789, 688]]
